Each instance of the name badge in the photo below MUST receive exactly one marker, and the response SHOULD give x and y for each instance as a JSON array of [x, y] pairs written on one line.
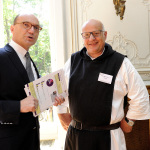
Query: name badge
[[105, 78]]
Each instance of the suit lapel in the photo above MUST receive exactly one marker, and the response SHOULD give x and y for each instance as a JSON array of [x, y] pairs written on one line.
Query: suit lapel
[[17, 63]]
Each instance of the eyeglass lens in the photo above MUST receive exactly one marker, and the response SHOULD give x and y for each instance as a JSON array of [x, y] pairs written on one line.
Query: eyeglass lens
[[28, 25], [88, 34]]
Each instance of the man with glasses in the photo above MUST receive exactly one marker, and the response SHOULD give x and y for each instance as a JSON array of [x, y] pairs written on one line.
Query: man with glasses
[[19, 130], [99, 79]]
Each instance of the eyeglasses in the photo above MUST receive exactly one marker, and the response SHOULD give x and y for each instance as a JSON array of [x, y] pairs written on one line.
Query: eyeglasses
[[28, 25], [86, 35]]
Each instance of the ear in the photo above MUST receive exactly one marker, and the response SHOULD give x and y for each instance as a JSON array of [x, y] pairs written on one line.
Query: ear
[[12, 28], [105, 34]]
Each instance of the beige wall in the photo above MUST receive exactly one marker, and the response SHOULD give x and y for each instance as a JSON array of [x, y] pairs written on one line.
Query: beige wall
[[130, 36]]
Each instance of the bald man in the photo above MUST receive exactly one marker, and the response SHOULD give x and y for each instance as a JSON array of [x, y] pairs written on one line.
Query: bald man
[[99, 79], [19, 130]]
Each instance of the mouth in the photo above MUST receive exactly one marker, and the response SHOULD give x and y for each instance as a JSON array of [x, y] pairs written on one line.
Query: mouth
[[30, 37], [92, 44]]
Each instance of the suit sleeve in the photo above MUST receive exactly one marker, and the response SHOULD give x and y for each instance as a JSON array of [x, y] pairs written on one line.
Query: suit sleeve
[[11, 86], [9, 112]]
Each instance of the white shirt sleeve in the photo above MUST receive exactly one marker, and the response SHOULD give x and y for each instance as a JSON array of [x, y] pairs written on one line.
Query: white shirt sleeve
[[129, 82], [139, 106]]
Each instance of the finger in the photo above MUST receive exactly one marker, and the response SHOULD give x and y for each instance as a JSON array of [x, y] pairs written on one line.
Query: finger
[[62, 99], [31, 97], [33, 109], [55, 103], [36, 104], [58, 100]]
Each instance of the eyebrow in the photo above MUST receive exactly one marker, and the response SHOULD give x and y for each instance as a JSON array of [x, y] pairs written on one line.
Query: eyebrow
[[31, 23]]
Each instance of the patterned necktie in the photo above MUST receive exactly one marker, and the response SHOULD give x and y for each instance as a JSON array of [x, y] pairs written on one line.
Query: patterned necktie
[[28, 67]]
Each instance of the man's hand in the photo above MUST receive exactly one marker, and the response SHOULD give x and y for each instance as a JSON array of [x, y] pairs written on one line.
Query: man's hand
[[29, 104], [125, 127], [65, 120], [59, 100]]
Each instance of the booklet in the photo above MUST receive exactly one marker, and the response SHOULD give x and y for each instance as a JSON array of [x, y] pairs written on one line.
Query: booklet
[[46, 88]]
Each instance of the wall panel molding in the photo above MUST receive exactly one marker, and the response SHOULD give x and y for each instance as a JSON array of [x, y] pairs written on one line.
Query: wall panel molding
[[85, 4], [146, 2], [124, 46], [129, 48]]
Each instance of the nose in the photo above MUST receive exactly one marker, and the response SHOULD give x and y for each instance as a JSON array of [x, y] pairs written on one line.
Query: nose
[[31, 30], [91, 37]]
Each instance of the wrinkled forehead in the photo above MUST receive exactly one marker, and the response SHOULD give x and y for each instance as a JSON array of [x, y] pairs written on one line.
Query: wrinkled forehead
[[28, 18], [92, 25]]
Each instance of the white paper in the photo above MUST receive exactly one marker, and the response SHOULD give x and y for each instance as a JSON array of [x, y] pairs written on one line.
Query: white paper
[[46, 88]]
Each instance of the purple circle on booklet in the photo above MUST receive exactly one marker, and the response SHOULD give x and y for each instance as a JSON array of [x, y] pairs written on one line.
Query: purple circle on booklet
[[49, 82]]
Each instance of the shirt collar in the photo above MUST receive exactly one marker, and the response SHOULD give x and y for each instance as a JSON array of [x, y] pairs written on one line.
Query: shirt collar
[[19, 50], [96, 57]]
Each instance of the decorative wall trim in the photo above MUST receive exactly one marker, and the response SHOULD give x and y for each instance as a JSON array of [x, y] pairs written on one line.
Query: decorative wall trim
[[145, 74], [124, 46], [129, 48], [146, 2], [85, 4]]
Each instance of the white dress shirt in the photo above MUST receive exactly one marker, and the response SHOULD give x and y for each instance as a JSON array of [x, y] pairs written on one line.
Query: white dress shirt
[[128, 81], [21, 53]]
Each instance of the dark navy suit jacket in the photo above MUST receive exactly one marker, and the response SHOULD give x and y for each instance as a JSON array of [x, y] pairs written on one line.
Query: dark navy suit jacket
[[13, 77]]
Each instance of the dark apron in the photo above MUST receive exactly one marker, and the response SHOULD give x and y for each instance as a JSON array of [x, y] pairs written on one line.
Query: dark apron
[[90, 100]]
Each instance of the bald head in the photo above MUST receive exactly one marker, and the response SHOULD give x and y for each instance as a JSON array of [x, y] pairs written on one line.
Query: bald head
[[22, 15], [93, 23]]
